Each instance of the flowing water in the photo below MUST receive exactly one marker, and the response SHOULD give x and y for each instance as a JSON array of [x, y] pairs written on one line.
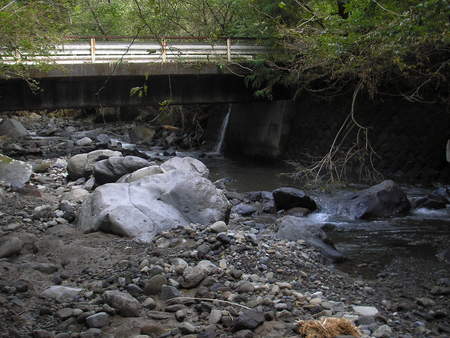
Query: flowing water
[[223, 130], [369, 245]]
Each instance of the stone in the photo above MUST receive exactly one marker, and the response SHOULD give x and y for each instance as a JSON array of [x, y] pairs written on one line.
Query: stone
[[248, 320], [293, 228], [365, 311], [193, 276], [245, 287], [140, 173], [149, 303], [13, 172], [179, 265], [186, 164], [113, 168], [215, 316], [426, 302], [218, 227], [153, 204], [125, 304], [64, 313], [384, 331], [244, 209], [85, 141], [383, 200], [47, 268], [62, 293], [12, 128], [82, 165], [98, 320], [187, 328], [169, 292], [287, 198], [42, 166], [10, 246], [153, 285], [43, 212], [76, 195]]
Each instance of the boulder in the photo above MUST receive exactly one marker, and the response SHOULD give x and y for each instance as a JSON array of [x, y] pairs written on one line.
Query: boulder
[[382, 200], [13, 172], [187, 164], [431, 201], [293, 228], [144, 208], [113, 168], [82, 165], [141, 173], [288, 198], [12, 128]]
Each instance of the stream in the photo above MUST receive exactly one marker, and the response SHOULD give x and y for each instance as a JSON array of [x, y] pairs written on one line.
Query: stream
[[370, 246]]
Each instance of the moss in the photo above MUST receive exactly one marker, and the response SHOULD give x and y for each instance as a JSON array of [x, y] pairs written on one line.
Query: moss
[[5, 159]]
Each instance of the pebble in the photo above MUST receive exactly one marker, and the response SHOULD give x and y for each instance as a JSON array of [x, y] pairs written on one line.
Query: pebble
[[98, 320]]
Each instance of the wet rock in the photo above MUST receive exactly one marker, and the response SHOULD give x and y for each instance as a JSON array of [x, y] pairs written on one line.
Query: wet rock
[[62, 293], [186, 164], [113, 168], [82, 165], [12, 129], [244, 209], [13, 172], [125, 304], [288, 198], [10, 246], [98, 320], [293, 228], [153, 204], [431, 201], [141, 173], [383, 200], [248, 320]]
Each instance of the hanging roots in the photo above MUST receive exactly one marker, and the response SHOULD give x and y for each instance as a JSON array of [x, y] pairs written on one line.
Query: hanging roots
[[327, 328]]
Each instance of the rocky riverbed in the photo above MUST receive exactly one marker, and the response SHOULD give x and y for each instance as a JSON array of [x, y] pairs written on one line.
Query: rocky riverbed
[[82, 255]]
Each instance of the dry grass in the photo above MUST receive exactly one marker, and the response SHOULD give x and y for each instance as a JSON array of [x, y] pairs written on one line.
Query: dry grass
[[327, 328]]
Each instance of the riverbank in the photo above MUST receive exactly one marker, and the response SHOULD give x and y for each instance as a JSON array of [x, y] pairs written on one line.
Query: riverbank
[[239, 279]]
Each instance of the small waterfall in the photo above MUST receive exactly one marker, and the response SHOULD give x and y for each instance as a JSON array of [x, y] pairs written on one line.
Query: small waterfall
[[223, 130]]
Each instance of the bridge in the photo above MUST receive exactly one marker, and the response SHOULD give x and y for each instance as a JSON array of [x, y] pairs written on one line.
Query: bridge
[[122, 71]]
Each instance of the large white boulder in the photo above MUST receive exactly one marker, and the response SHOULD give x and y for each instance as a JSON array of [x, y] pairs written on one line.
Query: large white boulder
[[13, 172], [152, 204], [187, 164]]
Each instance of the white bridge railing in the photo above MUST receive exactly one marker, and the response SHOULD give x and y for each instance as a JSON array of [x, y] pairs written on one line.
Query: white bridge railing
[[94, 50]]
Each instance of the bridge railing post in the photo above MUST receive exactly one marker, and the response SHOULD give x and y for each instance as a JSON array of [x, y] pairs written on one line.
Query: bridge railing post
[[164, 50], [229, 49], [92, 50]]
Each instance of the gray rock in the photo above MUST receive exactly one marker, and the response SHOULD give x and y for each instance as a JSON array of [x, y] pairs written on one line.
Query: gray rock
[[293, 228], [169, 292], [141, 173], [383, 331], [248, 320], [76, 195], [12, 129], [186, 164], [43, 212], [244, 209], [13, 172], [218, 227], [149, 303], [245, 287], [179, 265], [125, 304], [113, 168], [365, 311], [287, 198], [98, 320], [47, 268], [153, 204], [193, 276], [10, 246], [187, 328], [153, 285], [85, 141], [383, 200], [215, 316], [82, 165], [62, 293]]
